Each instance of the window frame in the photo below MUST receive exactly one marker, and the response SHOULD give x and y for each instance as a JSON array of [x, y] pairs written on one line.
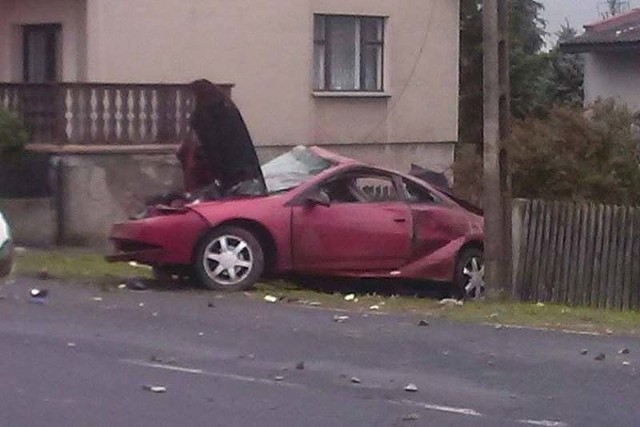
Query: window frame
[[360, 59]]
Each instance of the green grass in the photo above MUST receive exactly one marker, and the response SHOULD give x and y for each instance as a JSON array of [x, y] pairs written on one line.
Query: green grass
[[83, 267], [76, 266]]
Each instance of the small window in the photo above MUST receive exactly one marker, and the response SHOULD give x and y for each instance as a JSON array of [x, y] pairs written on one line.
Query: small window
[[415, 193], [348, 53]]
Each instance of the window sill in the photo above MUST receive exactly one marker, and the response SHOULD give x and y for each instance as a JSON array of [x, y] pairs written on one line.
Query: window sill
[[329, 94]]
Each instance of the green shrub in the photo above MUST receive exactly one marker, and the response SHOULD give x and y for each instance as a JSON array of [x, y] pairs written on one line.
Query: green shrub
[[13, 136], [574, 154], [570, 154]]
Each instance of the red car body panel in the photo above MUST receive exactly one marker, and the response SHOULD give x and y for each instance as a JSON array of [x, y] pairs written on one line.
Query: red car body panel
[[386, 239]]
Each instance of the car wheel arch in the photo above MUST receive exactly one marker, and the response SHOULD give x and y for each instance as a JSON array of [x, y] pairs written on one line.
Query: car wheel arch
[[261, 232], [472, 244]]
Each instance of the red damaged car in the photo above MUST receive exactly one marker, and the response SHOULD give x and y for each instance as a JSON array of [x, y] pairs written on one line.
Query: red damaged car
[[315, 213]]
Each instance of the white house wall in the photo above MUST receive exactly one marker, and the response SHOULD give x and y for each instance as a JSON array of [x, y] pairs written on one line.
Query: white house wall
[[613, 75], [265, 48], [70, 13]]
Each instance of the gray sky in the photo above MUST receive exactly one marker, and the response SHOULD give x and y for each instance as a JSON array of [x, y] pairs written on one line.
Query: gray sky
[[578, 12]]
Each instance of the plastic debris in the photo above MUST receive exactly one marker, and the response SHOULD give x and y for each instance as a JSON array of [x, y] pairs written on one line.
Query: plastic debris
[[349, 297], [624, 351], [141, 304], [279, 378], [340, 319], [98, 299], [451, 302], [411, 387], [155, 388], [270, 298], [498, 327], [625, 363], [200, 334], [39, 293], [355, 380], [135, 264], [423, 322], [71, 344], [374, 307], [584, 352], [136, 285], [122, 286], [411, 417]]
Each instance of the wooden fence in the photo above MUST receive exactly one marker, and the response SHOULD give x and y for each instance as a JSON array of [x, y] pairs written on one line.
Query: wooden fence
[[577, 253]]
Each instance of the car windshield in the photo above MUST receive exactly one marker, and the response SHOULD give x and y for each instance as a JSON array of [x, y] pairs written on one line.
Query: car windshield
[[292, 169]]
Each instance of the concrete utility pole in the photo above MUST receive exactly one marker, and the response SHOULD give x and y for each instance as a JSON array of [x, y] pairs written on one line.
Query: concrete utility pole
[[497, 127]]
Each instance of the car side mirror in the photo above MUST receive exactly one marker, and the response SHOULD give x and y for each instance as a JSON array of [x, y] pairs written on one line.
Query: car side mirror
[[319, 198]]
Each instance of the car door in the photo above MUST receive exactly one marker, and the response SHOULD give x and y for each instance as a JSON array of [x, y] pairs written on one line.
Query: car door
[[363, 227], [435, 223]]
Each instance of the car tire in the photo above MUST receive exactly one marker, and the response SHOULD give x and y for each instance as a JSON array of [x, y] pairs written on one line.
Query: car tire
[[229, 259], [469, 274]]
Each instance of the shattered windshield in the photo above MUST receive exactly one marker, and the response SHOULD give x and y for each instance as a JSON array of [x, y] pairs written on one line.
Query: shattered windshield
[[292, 169]]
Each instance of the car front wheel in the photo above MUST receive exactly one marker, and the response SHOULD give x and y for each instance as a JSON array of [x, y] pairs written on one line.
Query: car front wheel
[[229, 259], [469, 279]]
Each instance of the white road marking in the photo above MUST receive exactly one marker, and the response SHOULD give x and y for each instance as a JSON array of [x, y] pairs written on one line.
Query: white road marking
[[440, 408], [234, 377], [544, 423]]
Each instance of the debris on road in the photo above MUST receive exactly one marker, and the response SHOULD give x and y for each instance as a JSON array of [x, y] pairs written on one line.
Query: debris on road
[[340, 318], [584, 352], [279, 378], [423, 322], [600, 357], [411, 417], [355, 380], [155, 388], [39, 293], [374, 307], [71, 344], [200, 334], [300, 366], [540, 304], [270, 298], [498, 327], [625, 363], [122, 286], [494, 315], [315, 303], [491, 363], [450, 302], [97, 299], [136, 285], [411, 387], [141, 304], [135, 264], [445, 353], [211, 305], [350, 297], [624, 351]]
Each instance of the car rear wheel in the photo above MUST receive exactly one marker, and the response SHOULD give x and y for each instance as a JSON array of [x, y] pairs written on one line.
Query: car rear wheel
[[469, 280], [229, 259]]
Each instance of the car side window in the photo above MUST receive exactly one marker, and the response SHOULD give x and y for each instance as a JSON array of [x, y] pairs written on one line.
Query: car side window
[[415, 193], [361, 189]]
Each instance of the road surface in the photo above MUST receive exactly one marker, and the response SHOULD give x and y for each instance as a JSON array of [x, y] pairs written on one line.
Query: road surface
[[84, 357]]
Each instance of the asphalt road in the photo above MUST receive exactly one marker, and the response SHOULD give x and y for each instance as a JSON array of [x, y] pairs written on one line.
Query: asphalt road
[[81, 361]]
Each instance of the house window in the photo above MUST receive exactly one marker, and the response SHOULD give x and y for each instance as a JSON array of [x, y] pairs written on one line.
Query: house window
[[40, 52], [348, 53]]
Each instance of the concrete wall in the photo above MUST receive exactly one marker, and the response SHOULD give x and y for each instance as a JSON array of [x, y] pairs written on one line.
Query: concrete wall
[[613, 75], [71, 14], [32, 221]]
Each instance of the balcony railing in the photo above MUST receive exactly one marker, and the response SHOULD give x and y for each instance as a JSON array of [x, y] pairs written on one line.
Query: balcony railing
[[102, 113]]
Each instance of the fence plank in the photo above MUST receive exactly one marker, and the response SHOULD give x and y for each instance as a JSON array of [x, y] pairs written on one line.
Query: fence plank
[[550, 284], [635, 281], [541, 284], [558, 270], [523, 264], [628, 260]]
